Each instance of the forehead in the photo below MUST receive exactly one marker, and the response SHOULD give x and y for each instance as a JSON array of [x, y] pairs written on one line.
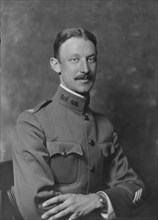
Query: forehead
[[79, 46]]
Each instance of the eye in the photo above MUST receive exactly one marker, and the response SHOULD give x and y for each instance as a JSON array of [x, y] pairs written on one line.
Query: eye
[[74, 59], [92, 59]]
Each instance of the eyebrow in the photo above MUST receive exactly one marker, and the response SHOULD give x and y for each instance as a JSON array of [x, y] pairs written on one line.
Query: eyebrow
[[93, 54]]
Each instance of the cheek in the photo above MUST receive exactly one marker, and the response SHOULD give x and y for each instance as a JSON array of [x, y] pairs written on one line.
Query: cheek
[[71, 69], [94, 68]]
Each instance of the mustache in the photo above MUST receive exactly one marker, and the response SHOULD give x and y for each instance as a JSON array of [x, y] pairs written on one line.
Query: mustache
[[83, 76]]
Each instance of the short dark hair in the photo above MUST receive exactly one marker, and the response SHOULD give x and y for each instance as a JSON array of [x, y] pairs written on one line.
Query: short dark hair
[[69, 33]]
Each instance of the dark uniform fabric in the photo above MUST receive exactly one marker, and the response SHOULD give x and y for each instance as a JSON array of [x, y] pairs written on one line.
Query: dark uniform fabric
[[63, 146]]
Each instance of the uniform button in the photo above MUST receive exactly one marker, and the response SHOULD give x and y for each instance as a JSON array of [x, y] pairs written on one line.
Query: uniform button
[[91, 142], [86, 117], [92, 169], [63, 153]]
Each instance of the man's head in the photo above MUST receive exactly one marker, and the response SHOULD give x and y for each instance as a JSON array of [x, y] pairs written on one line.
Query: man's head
[[75, 59], [69, 33]]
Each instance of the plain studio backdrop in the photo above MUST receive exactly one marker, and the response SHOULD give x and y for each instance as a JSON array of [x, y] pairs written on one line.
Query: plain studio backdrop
[[125, 88]]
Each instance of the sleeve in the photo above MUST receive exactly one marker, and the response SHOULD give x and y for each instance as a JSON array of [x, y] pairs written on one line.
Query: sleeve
[[124, 188], [33, 178], [110, 211]]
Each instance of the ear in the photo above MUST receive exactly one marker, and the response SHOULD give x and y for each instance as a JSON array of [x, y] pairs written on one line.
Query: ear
[[55, 64]]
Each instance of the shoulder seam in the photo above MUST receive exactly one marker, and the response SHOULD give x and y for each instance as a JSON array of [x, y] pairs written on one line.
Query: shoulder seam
[[39, 106]]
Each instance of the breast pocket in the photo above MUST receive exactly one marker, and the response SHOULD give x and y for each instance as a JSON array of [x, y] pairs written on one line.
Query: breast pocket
[[107, 148], [65, 159]]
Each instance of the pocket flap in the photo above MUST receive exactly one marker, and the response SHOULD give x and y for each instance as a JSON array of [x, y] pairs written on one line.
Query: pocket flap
[[63, 148], [107, 148]]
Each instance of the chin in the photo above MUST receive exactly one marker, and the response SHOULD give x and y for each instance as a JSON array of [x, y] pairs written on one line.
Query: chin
[[82, 88], [83, 91]]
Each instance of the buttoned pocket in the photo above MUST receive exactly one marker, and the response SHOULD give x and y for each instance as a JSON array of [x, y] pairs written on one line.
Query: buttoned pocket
[[65, 158], [107, 148]]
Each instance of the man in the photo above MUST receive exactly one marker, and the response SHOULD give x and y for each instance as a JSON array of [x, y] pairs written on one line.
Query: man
[[68, 163]]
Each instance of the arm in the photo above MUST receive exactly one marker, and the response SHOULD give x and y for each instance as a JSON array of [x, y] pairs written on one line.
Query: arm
[[32, 174], [122, 186], [125, 189]]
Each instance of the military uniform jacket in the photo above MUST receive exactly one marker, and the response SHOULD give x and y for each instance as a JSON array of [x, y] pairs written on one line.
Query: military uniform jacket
[[63, 146]]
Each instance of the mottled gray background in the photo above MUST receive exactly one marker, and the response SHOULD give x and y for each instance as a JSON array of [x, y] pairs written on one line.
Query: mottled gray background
[[125, 89]]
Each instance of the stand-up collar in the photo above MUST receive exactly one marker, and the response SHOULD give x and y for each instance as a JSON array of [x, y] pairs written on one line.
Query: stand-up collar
[[71, 100]]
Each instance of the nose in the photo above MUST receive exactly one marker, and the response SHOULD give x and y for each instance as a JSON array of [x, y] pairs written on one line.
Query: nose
[[84, 66]]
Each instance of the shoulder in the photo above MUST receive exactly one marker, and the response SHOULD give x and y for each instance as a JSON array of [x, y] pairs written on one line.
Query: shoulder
[[103, 122], [29, 115], [101, 118]]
